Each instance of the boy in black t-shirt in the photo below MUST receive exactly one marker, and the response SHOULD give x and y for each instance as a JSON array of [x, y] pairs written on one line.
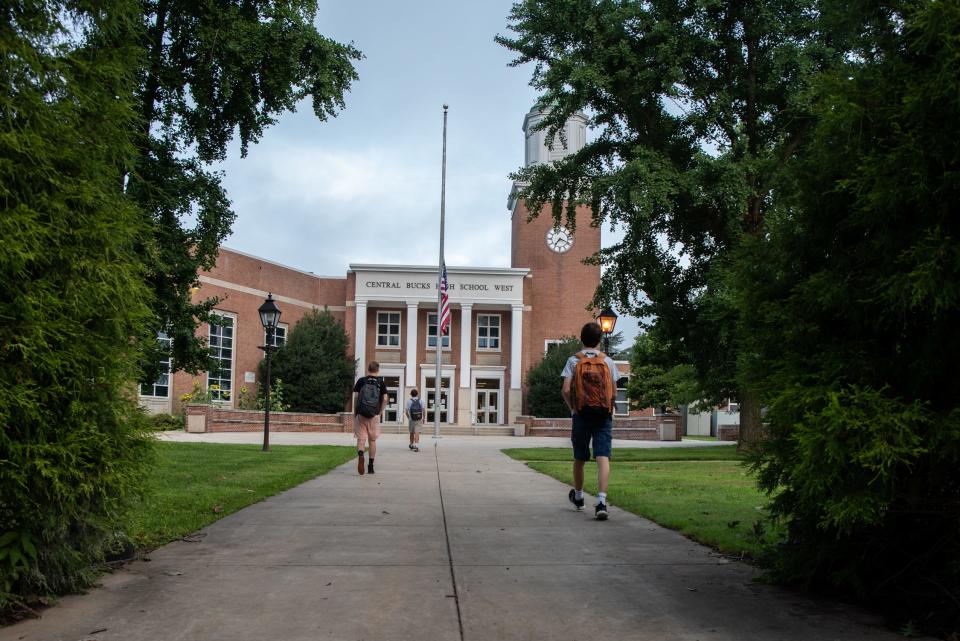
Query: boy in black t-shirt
[[369, 399]]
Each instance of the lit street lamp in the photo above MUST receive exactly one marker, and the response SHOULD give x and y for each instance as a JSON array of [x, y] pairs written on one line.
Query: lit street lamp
[[607, 320], [270, 318]]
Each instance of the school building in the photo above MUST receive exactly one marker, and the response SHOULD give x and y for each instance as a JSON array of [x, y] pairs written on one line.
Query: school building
[[504, 319]]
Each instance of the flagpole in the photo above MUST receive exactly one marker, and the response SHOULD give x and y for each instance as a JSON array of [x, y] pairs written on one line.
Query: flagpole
[[440, 270]]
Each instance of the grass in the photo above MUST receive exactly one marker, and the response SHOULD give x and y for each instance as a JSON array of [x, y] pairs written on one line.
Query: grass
[[195, 484], [700, 438], [713, 499], [632, 455]]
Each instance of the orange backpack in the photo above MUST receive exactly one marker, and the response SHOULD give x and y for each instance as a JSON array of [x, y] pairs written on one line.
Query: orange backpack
[[592, 384]]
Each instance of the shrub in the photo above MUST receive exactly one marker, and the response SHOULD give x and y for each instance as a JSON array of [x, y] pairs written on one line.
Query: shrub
[[313, 364], [165, 422], [544, 386], [73, 305]]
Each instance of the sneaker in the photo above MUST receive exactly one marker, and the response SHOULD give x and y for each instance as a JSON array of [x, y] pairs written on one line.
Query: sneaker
[[577, 503], [360, 466], [416, 449], [370, 467], [411, 446], [601, 512]]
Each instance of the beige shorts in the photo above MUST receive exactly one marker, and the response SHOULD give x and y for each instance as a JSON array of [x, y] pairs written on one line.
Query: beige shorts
[[416, 426], [367, 428]]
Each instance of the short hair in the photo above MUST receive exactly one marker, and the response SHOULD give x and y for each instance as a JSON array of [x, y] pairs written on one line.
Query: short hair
[[414, 392], [590, 334], [373, 367]]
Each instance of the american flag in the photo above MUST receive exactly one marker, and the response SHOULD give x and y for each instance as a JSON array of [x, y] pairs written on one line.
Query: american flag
[[444, 302]]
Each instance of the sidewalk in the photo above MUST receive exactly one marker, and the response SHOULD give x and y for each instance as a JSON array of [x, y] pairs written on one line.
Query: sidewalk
[[456, 542]]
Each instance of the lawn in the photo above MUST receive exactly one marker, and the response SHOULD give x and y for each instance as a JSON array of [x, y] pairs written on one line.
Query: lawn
[[194, 484], [704, 493]]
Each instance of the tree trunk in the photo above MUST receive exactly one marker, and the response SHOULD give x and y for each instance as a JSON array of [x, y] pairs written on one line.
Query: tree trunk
[[751, 425]]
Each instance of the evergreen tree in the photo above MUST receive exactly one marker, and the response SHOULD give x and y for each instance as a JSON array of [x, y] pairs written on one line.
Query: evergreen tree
[[72, 294], [656, 380], [313, 363], [856, 299], [544, 396]]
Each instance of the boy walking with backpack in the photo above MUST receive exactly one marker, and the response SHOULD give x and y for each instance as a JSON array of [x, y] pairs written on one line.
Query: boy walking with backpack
[[414, 412], [590, 392], [369, 399]]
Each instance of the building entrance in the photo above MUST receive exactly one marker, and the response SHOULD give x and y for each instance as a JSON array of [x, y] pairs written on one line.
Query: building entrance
[[446, 396], [488, 401]]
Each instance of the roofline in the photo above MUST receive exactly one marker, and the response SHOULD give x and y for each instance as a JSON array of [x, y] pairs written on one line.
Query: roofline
[[270, 262], [432, 269]]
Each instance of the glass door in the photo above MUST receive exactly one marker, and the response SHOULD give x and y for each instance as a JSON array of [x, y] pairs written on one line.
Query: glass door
[[428, 394], [391, 412], [488, 401]]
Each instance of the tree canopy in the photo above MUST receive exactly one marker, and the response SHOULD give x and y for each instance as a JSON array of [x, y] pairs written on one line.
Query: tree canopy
[[211, 71], [699, 109]]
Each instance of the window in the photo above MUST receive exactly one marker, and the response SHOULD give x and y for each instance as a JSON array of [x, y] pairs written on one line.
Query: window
[[488, 331], [432, 332], [621, 406], [220, 379], [160, 387], [550, 343], [388, 329], [279, 336]]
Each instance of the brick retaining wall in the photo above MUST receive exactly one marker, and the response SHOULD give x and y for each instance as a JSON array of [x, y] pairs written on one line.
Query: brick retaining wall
[[210, 418], [728, 433], [636, 428]]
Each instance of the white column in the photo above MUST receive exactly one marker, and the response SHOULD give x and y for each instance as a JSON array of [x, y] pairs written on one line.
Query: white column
[[466, 341], [360, 338], [516, 336], [412, 309]]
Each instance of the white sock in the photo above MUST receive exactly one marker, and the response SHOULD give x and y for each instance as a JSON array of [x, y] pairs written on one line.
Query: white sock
[[603, 497], [578, 495]]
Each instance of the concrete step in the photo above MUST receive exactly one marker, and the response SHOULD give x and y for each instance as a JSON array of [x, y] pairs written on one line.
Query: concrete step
[[453, 430]]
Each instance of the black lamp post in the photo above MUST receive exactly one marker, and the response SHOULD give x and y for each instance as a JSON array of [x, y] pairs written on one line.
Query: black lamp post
[[270, 318], [607, 320]]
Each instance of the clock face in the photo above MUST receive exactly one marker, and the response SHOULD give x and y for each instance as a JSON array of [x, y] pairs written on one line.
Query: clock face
[[559, 239]]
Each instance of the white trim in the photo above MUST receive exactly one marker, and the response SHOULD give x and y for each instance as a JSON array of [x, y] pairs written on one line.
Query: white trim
[[617, 389], [233, 356], [376, 345], [449, 336], [413, 319], [432, 269], [449, 371], [466, 323], [551, 341], [492, 350], [360, 339], [501, 392], [393, 369], [286, 330], [263, 294], [516, 340]]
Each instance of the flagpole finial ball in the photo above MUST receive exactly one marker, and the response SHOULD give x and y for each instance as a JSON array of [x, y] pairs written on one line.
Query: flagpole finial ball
[[445, 106]]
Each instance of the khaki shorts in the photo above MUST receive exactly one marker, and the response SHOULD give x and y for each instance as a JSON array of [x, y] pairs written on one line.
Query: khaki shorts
[[416, 426], [367, 428]]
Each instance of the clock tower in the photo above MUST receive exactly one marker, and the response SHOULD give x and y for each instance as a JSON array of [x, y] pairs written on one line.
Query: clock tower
[[560, 286]]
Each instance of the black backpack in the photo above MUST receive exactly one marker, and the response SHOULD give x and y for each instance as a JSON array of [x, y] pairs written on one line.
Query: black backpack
[[369, 405], [416, 410]]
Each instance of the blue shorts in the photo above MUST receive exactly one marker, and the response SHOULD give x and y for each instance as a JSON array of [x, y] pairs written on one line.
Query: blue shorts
[[599, 429]]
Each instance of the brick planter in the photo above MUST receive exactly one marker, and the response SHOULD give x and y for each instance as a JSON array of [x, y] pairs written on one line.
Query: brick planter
[[728, 433], [637, 428], [210, 418]]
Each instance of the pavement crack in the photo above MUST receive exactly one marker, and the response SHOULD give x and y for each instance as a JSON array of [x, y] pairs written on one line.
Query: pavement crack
[[446, 533]]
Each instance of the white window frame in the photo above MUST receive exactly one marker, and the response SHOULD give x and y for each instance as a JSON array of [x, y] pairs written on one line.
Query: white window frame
[[492, 373], [217, 394], [626, 401], [498, 338], [164, 372], [447, 339], [551, 341], [280, 326], [389, 334]]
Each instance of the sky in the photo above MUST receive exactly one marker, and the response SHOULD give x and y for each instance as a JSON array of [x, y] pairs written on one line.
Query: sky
[[364, 187]]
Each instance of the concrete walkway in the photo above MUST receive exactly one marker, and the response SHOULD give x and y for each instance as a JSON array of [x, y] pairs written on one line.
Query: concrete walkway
[[457, 542]]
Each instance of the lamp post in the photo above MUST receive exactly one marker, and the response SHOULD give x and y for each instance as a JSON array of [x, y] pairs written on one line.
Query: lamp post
[[269, 317], [607, 320]]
